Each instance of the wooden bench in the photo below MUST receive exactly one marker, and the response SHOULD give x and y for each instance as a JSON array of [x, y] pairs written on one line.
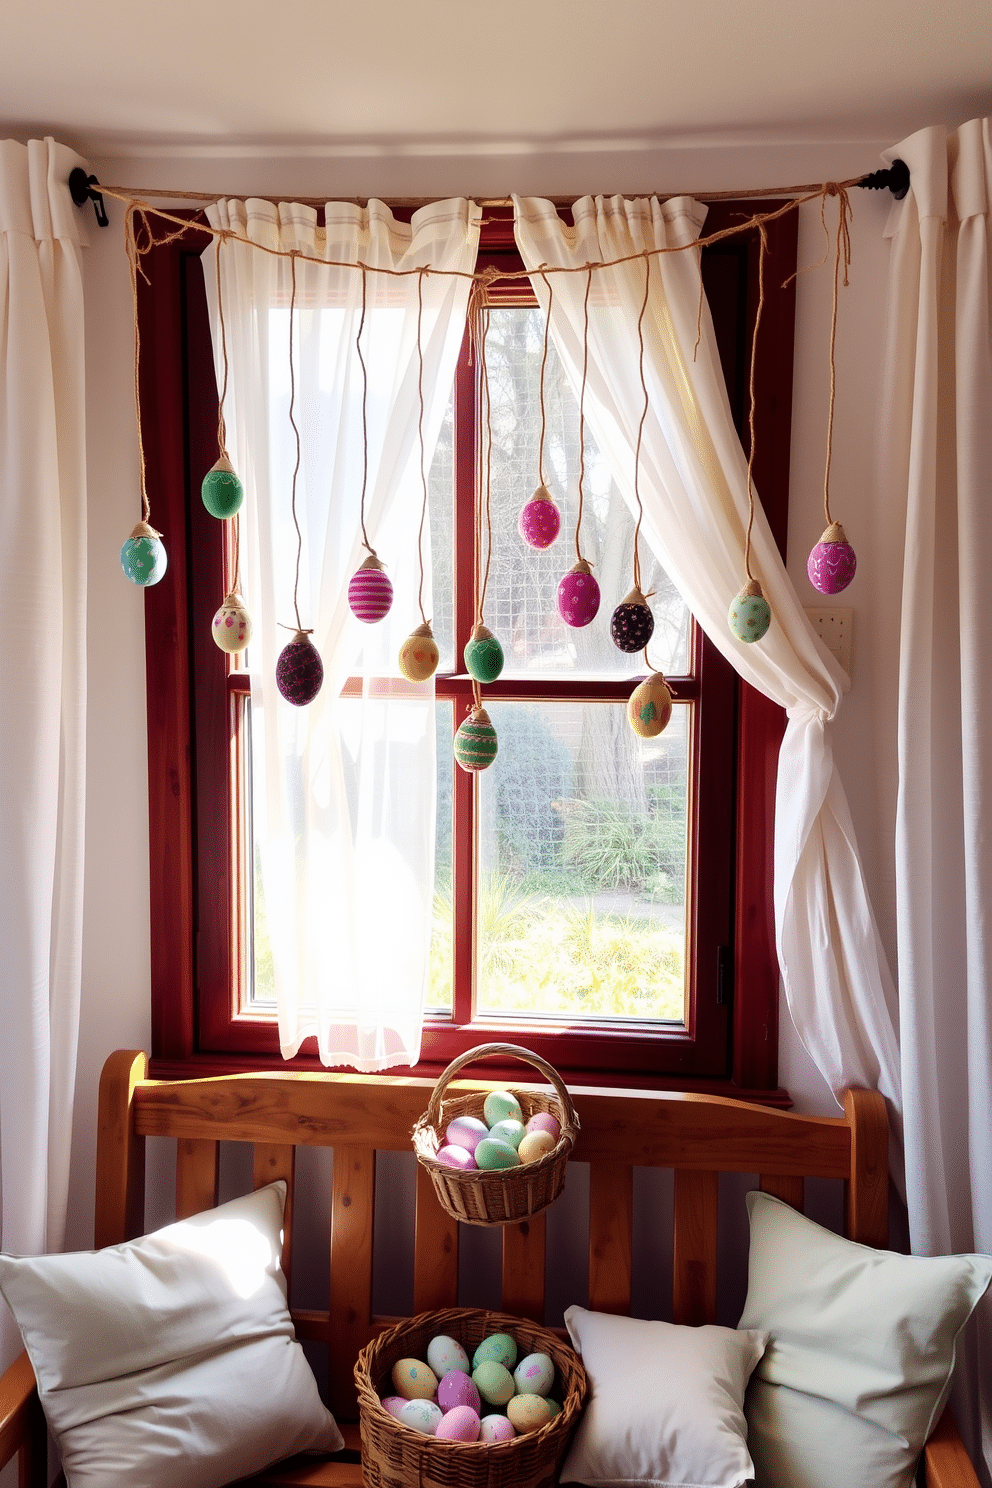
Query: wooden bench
[[696, 1136]]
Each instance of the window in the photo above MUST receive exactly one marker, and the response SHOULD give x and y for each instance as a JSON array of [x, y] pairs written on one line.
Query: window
[[680, 834]]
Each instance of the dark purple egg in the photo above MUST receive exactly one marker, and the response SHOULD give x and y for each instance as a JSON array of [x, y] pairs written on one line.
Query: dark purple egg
[[299, 671], [632, 625]]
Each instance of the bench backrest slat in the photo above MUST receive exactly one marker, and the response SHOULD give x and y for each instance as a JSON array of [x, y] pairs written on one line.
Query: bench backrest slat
[[694, 1246], [197, 1175], [524, 1267], [271, 1161], [611, 1232], [435, 1252], [350, 1290]]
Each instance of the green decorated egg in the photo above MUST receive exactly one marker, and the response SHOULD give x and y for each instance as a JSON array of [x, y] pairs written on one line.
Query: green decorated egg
[[649, 707], [491, 1154], [750, 613], [499, 1347], [508, 1131], [494, 1382], [221, 492], [483, 655], [475, 745], [501, 1105]]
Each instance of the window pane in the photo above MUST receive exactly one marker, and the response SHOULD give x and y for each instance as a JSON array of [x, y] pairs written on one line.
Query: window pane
[[582, 866], [521, 607], [439, 994]]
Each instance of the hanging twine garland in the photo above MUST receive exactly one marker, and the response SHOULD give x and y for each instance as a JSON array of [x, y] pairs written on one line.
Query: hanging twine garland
[[539, 521], [222, 494], [483, 654], [370, 591], [419, 655], [750, 614], [832, 561], [632, 623], [578, 591], [143, 556]]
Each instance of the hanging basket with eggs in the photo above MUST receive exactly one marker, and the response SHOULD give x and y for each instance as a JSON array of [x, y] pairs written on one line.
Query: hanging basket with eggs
[[501, 1195]]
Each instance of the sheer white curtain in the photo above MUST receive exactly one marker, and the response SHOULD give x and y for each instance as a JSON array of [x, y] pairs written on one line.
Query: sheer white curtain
[[43, 666], [935, 444], [694, 488], [345, 793]]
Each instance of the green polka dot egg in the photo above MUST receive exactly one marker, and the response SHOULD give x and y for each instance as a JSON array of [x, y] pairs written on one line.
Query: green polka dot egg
[[750, 613], [221, 492], [475, 745], [143, 556], [649, 707]]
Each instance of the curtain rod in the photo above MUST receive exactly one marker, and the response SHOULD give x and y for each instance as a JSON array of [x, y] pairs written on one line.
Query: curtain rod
[[87, 188]]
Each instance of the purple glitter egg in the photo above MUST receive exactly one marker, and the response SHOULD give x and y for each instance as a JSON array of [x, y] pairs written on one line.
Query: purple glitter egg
[[540, 520], [632, 625], [831, 566], [370, 593], [299, 671], [578, 596], [458, 1389]]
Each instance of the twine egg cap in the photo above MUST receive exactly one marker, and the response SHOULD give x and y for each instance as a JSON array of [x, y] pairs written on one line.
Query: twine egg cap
[[481, 633], [582, 567], [834, 534], [142, 529], [479, 715], [635, 597], [223, 463], [372, 562], [423, 630], [542, 494], [752, 590]]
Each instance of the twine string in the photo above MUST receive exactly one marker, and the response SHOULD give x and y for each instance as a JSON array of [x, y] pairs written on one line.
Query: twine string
[[762, 250], [134, 265], [640, 427], [365, 409], [221, 426], [582, 407], [843, 251], [292, 420], [487, 404], [423, 468], [544, 363]]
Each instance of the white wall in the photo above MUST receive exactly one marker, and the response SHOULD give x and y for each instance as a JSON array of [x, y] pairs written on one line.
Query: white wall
[[115, 1009]]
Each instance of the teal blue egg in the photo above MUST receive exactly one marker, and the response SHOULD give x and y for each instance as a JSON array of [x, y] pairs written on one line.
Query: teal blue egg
[[221, 492], [501, 1105], [749, 616], [498, 1348], [483, 655], [509, 1131], [492, 1154], [143, 557]]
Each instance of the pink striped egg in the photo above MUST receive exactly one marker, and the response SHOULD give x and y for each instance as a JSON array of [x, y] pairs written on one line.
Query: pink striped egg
[[370, 593]]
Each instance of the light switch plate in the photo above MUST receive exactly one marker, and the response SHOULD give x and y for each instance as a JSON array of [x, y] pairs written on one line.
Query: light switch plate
[[835, 627]]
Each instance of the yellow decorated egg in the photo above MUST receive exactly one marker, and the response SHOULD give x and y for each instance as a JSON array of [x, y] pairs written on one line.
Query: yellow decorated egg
[[414, 1380], [535, 1145], [528, 1413], [419, 655], [649, 707]]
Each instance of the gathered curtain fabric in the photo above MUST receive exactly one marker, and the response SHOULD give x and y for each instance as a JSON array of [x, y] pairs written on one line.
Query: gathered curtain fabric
[[935, 474], [694, 489], [345, 788], [43, 665]]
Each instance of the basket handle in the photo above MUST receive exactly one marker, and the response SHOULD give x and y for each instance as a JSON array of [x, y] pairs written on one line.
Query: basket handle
[[483, 1051]]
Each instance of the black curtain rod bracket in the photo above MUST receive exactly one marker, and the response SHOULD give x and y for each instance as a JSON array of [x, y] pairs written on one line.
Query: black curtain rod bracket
[[82, 189], [896, 178]]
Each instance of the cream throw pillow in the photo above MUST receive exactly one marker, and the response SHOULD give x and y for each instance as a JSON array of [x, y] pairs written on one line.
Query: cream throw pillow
[[861, 1353], [171, 1359], [665, 1403]]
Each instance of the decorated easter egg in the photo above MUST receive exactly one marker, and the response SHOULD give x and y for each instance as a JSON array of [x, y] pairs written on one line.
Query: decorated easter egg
[[578, 596], [632, 625], [528, 1413], [231, 629], [370, 593], [507, 1131], [221, 492], [649, 707], [832, 562], [459, 1424], [750, 613], [501, 1105], [393, 1404], [456, 1157], [498, 1347], [535, 1145], [496, 1429], [544, 1121], [299, 670], [483, 655], [446, 1355], [419, 655], [475, 745], [534, 1375], [466, 1131], [457, 1389], [423, 1415], [143, 556], [414, 1380], [492, 1154], [539, 521], [494, 1382]]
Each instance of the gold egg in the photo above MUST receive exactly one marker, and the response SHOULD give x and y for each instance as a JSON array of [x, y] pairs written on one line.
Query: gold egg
[[649, 707], [419, 655]]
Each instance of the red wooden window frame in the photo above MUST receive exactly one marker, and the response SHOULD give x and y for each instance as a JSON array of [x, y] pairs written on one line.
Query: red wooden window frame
[[195, 911]]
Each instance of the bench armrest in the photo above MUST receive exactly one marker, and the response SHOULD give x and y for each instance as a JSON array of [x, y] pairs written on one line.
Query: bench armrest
[[22, 1424], [948, 1464]]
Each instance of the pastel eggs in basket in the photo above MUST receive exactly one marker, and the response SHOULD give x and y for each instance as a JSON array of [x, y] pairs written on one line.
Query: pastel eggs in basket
[[502, 1140], [493, 1397]]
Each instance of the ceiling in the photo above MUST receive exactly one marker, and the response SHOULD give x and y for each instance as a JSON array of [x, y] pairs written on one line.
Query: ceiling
[[446, 77]]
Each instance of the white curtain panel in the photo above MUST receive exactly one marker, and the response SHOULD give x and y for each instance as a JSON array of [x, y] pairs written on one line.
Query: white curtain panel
[[43, 666], [935, 445], [693, 483], [344, 799]]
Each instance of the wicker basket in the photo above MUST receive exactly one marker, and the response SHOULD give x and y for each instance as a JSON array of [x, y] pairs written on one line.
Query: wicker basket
[[396, 1456], [510, 1194]]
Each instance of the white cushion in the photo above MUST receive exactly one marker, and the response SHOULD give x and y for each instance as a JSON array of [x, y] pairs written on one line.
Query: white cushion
[[171, 1359], [665, 1403], [861, 1353]]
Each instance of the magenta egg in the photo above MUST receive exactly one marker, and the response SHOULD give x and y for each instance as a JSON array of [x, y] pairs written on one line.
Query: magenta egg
[[466, 1131], [299, 670], [457, 1389], [495, 1428], [832, 562], [456, 1157], [393, 1404], [578, 596], [460, 1424], [370, 593], [539, 521]]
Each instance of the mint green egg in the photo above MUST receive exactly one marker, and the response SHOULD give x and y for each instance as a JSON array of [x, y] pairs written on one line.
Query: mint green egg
[[498, 1348], [509, 1131], [221, 491], [494, 1381], [501, 1105], [144, 560], [491, 1154], [749, 617]]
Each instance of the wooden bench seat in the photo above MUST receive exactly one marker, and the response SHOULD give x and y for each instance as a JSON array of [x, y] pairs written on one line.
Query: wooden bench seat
[[697, 1136]]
